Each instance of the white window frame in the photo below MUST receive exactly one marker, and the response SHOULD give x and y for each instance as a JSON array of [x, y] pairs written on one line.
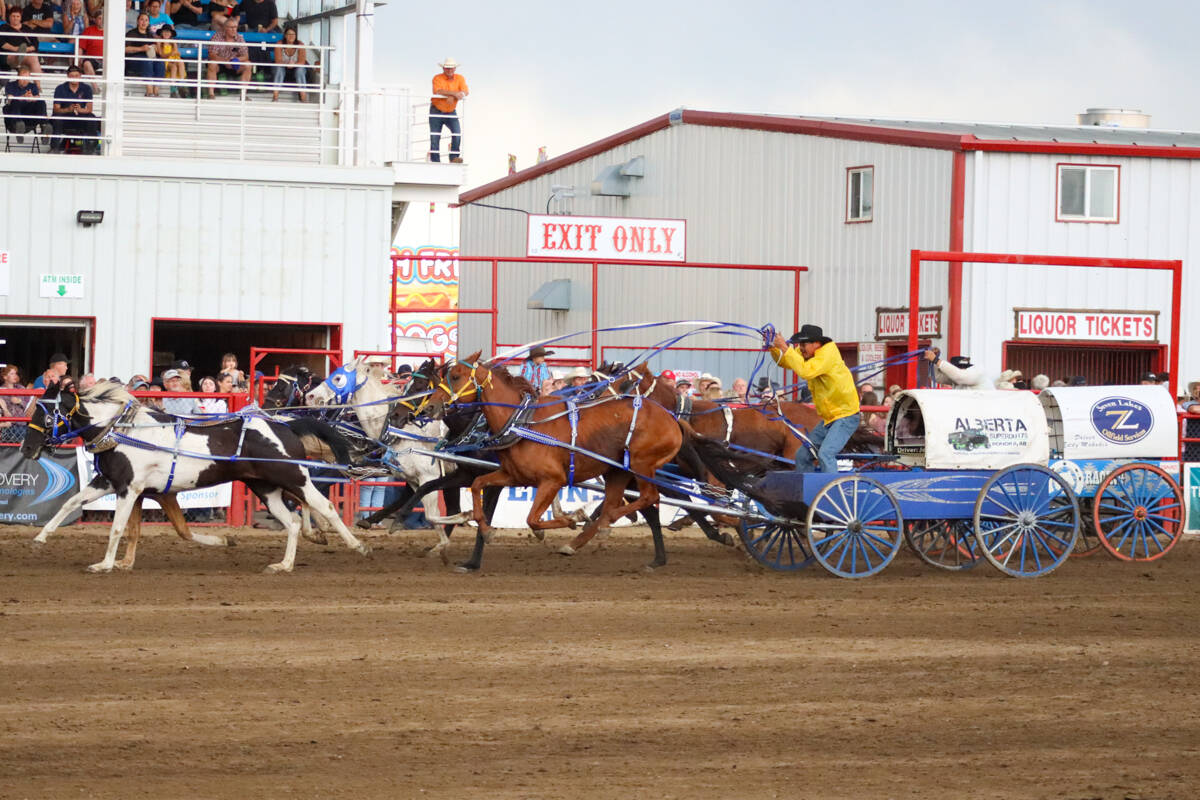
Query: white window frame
[[856, 215], [1088, 214]]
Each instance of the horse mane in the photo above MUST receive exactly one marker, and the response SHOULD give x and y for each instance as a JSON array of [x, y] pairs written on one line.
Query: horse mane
[[521, 385], [108, 392]]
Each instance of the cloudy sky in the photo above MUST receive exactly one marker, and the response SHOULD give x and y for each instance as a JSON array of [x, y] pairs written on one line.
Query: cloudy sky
[[565, 74]]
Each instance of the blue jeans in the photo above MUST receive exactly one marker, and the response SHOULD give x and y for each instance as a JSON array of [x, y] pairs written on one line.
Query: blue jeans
[[301, 74], [439, 119], [829, 438]]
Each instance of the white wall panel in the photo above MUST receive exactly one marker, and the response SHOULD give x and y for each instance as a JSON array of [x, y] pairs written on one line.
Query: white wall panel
[[749, 197], [219, 248], [1012, 209]]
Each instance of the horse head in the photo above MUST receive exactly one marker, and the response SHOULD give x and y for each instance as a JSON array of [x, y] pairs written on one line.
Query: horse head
[[458, 381], [56, 412], [352, 384], [416, 394], [289, 388]]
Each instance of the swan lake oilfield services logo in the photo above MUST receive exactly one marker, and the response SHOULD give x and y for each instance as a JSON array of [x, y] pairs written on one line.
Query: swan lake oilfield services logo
[[1121, 420]]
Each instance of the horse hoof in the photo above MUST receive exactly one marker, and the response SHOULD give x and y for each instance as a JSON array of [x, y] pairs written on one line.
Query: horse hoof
[[123, 566], [653, 566], [539, 535], [231, 541], [363, 549], [100, 566], [273, 569], [728, 540], [362, 523], [566, 550], [316, 538], [466, 569]]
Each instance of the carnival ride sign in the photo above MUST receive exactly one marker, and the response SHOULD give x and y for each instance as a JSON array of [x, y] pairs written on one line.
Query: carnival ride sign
[[1095, 326], [606, 238], [426, 285]]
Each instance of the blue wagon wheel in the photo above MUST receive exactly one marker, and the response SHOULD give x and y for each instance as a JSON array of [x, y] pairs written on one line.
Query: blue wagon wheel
[[777, 545], [1139, 512], [854, 526], [1026, 520], [943, 543]]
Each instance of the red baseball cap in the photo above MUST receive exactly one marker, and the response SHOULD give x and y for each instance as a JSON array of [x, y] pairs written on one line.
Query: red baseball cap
[[666, 373]]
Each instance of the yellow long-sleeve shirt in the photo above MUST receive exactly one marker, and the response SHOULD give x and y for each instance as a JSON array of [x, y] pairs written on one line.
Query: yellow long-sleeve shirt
[[833, 390]]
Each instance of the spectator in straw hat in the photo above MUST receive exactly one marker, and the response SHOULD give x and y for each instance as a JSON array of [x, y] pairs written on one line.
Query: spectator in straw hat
[[535, 369], [448, 88], [713, 390], [578, 377]]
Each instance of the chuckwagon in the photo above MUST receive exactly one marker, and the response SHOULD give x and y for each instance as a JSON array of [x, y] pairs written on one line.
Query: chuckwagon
[[997, 474]]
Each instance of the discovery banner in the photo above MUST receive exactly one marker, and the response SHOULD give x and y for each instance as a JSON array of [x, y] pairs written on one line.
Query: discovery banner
[[31, 492]]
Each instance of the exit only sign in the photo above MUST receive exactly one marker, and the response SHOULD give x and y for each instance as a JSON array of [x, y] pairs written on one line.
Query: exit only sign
[[54, 285]]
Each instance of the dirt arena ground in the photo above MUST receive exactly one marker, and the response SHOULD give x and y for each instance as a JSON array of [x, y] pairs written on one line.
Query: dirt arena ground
[[546, 677]]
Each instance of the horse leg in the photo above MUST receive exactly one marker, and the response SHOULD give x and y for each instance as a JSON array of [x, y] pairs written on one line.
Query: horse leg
[[483, 505], [324, 511], [391, 508], [98, 487], [577, 516], [472, 563], [660, 549], [314, 535], [274, 502], [132, 535], [125, 504], [614, 489], [170, 507]]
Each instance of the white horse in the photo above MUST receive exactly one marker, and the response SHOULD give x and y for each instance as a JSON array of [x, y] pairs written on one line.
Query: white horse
[[356, 384], [140, 452]]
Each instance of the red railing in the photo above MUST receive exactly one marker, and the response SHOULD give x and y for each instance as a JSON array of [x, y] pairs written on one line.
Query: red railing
[[493, 311]]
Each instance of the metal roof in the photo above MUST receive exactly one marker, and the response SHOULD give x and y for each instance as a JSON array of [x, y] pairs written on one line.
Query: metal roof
[[1023, 132]]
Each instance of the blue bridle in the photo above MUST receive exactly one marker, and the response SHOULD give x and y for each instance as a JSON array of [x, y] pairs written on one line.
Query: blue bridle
[[343, 382]]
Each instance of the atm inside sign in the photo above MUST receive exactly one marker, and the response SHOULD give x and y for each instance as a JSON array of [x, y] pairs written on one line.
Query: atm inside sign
[[54, 285]]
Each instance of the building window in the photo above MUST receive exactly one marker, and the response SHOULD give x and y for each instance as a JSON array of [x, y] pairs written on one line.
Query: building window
[[1088, 193], [860, 194]]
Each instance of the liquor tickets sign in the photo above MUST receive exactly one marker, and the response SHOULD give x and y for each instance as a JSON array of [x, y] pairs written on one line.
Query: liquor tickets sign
[[606, 238], [1096, 326], [892, 323]]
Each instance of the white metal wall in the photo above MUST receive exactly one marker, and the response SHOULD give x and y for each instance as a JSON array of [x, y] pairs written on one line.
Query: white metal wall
[[1011, 208], [209, 248], [748, 197]]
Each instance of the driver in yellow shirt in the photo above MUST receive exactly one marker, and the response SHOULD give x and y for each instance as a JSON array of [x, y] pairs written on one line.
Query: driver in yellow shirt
[[816, 359]]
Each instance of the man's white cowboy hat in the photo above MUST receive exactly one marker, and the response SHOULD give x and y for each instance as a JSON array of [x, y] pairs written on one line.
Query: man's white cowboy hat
[[449, 63], [579, 372]]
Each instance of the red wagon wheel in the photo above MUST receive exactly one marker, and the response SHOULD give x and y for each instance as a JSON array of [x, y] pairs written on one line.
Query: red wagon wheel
[[1138, 512]]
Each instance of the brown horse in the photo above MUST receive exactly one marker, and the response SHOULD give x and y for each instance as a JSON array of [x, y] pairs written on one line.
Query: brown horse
[[610, 427]]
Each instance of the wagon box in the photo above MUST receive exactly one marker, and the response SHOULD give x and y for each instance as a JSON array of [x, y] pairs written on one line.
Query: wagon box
[[967, 430]]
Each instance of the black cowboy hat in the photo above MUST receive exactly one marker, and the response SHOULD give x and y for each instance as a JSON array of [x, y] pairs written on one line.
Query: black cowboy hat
[[540, 351], [809, 333], [962, 362], [764, 383], [54, 359]]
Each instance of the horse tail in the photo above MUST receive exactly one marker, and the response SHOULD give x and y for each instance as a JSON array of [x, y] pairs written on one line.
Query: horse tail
[[733, 468], [865, 440], [320, 440]]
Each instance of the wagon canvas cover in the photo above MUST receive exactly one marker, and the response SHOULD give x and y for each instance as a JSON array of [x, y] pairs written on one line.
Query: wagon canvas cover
[[969, 429], [1112, 422]]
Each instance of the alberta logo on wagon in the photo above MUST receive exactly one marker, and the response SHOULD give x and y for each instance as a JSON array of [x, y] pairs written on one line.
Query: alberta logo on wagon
[[1122, 420]]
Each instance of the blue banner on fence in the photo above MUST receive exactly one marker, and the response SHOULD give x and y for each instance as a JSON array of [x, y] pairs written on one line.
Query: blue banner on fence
[[31, 492]]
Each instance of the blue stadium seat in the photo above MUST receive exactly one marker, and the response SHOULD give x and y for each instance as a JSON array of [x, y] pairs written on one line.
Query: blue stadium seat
[[55, 47], [254, 37], [188, 52], [193, 35]]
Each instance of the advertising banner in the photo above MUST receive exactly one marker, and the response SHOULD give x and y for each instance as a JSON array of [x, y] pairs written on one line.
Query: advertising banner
[[1112, 421], [516, 501], [427, 280], [1191, 494], [219, 496], [31, 492], [892, 323], [970, 429], [599, 238]]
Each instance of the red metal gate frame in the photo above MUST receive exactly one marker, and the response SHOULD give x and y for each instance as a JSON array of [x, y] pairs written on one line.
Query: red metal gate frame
[[917, 257], [494, 312]]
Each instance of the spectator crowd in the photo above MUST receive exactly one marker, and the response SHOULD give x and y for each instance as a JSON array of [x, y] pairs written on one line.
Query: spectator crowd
[[40, 36]]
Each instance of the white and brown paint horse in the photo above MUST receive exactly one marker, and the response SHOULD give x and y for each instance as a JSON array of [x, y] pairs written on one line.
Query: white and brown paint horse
[[140, 452]]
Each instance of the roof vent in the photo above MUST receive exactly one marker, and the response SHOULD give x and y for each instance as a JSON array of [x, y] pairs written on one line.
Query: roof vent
[[1114, 118], [616, 181]]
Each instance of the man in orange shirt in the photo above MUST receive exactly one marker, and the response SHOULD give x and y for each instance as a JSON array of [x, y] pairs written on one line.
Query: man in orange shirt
[[448, 89]]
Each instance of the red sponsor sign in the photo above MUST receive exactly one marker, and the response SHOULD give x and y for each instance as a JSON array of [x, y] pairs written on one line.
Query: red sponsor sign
[[892, 323], [1082, 325], [606, 238]]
